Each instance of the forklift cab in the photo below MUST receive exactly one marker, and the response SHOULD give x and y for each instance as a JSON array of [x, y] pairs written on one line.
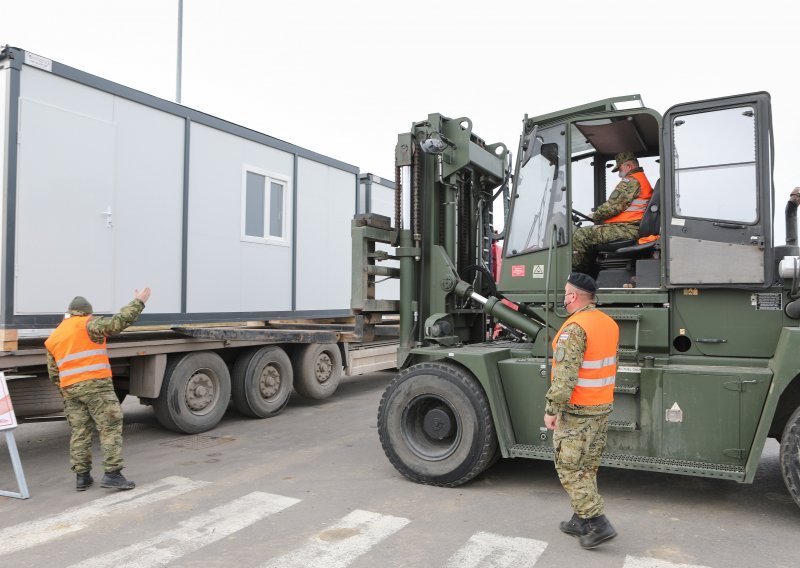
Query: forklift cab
[[709, 222]]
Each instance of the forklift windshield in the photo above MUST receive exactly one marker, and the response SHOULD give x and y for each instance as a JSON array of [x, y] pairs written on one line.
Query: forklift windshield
[[539, 208]]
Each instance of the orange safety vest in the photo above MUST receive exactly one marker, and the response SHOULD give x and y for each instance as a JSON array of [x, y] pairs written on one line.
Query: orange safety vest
[[635, 211], [78, 357], [598, 372]]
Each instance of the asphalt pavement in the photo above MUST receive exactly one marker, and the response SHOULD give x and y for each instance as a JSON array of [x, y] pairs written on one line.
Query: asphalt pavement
[[311, 487]]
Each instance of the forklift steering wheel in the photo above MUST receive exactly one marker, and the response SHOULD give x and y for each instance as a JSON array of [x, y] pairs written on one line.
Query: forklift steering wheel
[[578, 217]]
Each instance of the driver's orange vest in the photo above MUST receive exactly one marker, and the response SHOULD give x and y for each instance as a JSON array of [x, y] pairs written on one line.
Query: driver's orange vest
[[78, 357], [635, 211], [597, 375]]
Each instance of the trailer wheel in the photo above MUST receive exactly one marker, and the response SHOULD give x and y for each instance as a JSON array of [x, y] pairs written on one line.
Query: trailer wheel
[[790, 456], [195, 392], [435, 425], [261, 382], [317, 370]]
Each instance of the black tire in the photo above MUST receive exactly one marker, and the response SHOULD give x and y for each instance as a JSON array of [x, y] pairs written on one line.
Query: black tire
[[317, 370], [790, 456], [195, 393], [261, 382], [436, 426]]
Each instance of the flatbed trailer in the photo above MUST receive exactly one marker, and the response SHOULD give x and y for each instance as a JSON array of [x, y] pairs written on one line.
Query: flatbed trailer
[[189, 374]]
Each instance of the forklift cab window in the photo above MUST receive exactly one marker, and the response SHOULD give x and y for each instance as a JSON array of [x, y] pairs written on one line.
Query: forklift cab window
[[540, 200], [708, 175]]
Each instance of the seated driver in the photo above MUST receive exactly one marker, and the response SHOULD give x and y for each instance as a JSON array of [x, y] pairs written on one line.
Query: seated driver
[[616, 219]]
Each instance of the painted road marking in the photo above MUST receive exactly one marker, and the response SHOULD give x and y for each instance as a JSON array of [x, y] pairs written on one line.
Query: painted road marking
[[32, 533], [340, 544], [640, 562], [489, 550], [194, 533]]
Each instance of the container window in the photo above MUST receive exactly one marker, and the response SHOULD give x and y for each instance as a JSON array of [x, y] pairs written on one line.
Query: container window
[[264, 207]]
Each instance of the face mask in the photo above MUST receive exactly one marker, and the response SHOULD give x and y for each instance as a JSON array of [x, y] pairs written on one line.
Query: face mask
[[565, 302]]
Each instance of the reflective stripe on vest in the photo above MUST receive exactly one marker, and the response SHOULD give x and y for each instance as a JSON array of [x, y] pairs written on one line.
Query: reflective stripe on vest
[[78, 357], [635, 211], [597, 374], [81, 355]]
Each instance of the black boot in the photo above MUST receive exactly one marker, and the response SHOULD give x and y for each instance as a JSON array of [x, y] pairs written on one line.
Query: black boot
[[83, 481], [575, 526], [598, 529], [115, 480]]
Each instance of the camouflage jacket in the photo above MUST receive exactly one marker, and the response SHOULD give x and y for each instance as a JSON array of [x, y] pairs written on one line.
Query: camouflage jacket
[[101, 327], [620, 199], [571, 346]]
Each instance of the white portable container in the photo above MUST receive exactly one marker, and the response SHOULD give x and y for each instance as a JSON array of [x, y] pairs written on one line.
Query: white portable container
[[107, 189]]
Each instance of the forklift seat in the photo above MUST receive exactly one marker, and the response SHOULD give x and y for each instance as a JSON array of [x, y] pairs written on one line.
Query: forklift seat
[[627, 262], [650, 225]]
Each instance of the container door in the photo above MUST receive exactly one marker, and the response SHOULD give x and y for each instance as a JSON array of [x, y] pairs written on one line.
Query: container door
[[718, 192], [64, 232]]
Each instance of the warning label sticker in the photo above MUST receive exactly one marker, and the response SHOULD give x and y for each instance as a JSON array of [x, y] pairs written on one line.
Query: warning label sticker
[[767, 301], [518, 270], [538, 271]]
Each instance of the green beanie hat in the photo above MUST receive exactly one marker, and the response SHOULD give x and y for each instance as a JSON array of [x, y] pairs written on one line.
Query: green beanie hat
[[81, 305]]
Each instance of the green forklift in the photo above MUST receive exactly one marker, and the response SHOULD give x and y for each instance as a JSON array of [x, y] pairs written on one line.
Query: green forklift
[[708, 306]]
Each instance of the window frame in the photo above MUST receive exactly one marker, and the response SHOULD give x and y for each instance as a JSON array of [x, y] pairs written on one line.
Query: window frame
[[269, 179]]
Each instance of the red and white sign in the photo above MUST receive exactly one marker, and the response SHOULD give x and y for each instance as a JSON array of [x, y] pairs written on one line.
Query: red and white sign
[[518, 270], [7, 417]]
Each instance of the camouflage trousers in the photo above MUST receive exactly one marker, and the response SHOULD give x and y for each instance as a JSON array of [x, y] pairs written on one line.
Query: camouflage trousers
[[88, 405], [579, 443], [584, 239]]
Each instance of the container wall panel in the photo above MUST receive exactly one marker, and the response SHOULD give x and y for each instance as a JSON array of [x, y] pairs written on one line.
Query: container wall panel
[[65, 178], [382, 203], [225, 272], [326, 204], [4, 108], [148, 205]]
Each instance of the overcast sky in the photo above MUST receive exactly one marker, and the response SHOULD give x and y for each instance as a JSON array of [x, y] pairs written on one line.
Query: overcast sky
[[344, 77]]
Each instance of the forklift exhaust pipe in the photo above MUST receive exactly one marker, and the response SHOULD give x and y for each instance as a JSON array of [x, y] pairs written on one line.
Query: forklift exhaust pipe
[[497, 309]]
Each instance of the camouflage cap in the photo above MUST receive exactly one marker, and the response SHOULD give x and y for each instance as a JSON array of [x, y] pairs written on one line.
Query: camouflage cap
[[621, 158], [80, 305]]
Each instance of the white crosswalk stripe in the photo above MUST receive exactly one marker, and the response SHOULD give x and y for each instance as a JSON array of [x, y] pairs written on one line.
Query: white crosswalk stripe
[[340, 544], [337, 546], [643, 562], [32, 533], [194, 533], [489, 550]]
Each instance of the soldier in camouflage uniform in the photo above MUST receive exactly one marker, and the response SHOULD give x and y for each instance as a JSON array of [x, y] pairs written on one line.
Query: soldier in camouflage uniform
[[584, 239], [84, 377], [579, 414]]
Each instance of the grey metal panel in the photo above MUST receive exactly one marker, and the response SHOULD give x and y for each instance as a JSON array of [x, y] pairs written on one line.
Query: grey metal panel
[[66, 175], [325, 208], [381, 200], [5, 86], [697, 261], [225, 273], [147, 208]]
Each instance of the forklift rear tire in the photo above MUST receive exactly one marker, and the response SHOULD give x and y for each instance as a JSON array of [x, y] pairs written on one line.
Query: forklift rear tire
[[261, 382], [317, 370], [436, 426], [195, 392], [790, 456]]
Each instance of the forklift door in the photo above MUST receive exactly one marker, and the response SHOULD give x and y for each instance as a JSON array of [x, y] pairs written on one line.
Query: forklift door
[[718, 192]]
